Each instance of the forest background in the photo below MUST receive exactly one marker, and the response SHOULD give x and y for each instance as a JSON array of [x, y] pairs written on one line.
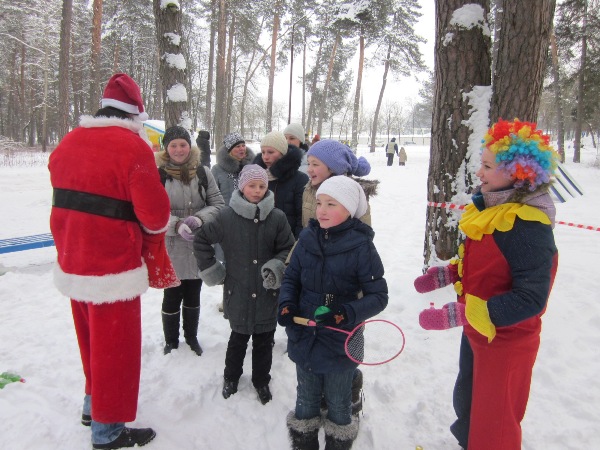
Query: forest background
[[225, 54]]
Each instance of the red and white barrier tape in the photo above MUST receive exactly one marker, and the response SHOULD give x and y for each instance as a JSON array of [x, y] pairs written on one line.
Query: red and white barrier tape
[[560, 222]]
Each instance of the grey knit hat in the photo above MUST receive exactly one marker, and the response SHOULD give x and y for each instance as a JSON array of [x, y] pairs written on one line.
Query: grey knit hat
[[175, 132], [232, 139], [277, 140]]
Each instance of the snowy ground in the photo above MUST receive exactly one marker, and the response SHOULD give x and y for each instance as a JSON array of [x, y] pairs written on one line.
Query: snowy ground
[[408, 402]]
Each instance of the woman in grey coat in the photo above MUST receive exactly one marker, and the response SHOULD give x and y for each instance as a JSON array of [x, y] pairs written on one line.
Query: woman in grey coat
[[256, 238], [195, 199]]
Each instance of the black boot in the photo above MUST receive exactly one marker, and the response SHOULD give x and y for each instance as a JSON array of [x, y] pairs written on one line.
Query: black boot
[[229, 388], [129, 437], [171, 331], [340, 437], [304, 433], [357, 391], [191, 317]]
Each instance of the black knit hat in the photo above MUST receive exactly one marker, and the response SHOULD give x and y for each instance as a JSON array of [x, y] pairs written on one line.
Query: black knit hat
[[176, 132]]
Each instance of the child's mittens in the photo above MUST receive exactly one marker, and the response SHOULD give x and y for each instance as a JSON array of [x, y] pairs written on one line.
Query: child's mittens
[[436, 277], [269, 280], [451, 315], [193, 222], [286, 315], [331, 316]]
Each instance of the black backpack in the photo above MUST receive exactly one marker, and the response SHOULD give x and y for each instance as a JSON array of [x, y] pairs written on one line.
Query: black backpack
[[202, 179]]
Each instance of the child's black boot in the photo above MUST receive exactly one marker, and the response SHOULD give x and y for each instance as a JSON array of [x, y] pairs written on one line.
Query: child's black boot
[[229, 387], [171, 330], [340, 437], [304, 433], [191, 317], [264, 394]]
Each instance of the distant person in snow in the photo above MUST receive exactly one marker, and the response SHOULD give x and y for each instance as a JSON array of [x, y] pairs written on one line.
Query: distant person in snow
[[391, 148], [203, 142], [402, 157], [503, 276]]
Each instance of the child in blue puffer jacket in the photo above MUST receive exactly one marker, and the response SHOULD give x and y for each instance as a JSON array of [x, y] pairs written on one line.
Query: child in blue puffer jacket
[[334, 264]]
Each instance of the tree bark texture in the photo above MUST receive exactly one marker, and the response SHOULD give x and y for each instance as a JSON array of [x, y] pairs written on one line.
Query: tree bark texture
[[167, 21], [558, 102], [460, 64], [94, 98], [523, 41], [356, 106], [220, 75], [269, 119], [63, 68]]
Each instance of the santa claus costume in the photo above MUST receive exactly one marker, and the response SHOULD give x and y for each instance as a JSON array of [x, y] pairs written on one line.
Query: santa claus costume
[[109, 210]]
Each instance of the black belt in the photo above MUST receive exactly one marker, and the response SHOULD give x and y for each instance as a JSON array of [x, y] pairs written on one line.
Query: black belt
[[94, 204]]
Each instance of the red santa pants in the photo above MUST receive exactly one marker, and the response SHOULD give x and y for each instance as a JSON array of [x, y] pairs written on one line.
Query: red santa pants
[[110, 338], [501, 381]]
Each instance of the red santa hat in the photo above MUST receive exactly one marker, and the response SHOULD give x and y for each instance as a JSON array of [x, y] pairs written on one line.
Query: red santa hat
[[124, 94]]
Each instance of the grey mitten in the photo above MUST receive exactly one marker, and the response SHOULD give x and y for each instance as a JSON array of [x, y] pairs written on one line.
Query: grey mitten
[[269, 279]]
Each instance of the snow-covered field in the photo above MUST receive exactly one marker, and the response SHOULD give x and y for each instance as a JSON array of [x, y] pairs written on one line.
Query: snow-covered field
[[408, 402]]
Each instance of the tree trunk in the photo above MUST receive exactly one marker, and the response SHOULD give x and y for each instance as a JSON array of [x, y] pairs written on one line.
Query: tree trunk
[[220, 75], [327, 81], [304, 124], [172, 65], [380, 99], [356, 108], [95, 56], [63, 68], [230, 69], [211, 67], [315, 79], [460, 65], [558, 103], [581, 89], [269, 119], [522, 50]]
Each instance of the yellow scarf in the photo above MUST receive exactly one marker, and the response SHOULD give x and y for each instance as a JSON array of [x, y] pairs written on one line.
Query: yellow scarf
[[475, 223]]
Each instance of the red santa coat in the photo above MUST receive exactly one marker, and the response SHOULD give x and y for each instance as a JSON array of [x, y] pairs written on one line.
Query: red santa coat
[[99, 258]]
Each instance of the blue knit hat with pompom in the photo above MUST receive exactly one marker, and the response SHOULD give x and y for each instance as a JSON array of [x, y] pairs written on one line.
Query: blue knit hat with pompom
[[339, 158]]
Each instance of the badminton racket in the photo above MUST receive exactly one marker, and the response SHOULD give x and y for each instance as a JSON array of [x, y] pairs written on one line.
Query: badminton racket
[[370, 343]]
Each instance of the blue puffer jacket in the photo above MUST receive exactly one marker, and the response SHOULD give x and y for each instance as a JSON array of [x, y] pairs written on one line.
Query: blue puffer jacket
[[342, 265]]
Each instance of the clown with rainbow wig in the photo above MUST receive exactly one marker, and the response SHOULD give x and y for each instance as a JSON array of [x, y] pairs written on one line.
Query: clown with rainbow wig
[[503, 277]]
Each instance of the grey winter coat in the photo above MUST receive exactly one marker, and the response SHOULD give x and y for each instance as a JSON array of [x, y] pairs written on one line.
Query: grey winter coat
[[227, 169], [255, 238], [187, 201]]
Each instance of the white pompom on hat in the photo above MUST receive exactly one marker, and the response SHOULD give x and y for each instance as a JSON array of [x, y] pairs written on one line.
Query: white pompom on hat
[[346, 191], [252, 172], [124, 94], [276, 140], [295, 130]]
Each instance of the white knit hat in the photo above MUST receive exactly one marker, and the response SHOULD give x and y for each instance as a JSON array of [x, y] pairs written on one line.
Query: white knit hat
[[346, 191], [295, 130], [277, 140]]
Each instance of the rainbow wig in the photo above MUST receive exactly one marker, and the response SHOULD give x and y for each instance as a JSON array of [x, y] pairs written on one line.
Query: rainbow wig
[[523, 152]]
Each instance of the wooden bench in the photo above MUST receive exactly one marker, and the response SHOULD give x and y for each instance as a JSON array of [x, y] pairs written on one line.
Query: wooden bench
[[26, 243]]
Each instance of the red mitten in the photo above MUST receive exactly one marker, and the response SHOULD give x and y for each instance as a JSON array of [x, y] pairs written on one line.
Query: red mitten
[[436, 277], [451, 315], [161, 274]]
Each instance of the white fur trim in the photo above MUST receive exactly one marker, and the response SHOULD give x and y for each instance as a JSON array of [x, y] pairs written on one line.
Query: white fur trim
[[162, 230], [108, 288], [102, 122], [127, 107]]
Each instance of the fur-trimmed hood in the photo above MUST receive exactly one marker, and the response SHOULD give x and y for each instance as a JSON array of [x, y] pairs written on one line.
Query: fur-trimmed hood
[[369, 186], [248, 210], [286, 166], [230, 164]]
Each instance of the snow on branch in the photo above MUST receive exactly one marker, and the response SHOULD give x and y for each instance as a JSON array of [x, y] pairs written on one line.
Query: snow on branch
[[176, 61], [468, 17], [174, 39], [177, 93], [164, 4]]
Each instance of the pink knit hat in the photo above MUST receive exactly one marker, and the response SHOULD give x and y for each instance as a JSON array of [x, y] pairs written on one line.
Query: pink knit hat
[[252, 172]]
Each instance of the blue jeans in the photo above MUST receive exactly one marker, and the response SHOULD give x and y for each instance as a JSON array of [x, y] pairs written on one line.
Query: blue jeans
[[337, 388], [102, 433]]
